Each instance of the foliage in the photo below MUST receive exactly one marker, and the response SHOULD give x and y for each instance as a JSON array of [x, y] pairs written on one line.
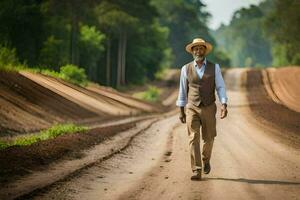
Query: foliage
[[243, 38], [53, 132], [146, 39], [4, 145], [53, 54], [73, 74], [69, 73], [113, 18], [88, 34], [151, 94], [186, 20], [219, 56], [149, 55], [159, 75], [253, 37], [22, 28], [91, 46], [52, 73], [286, 39], [8, 57]]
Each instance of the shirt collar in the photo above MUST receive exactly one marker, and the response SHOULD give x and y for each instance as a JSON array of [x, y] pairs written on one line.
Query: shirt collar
[[203, 64]]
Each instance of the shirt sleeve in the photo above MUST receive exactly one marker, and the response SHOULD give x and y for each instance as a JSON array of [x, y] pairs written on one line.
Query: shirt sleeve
[[182, 98], [220, 85]]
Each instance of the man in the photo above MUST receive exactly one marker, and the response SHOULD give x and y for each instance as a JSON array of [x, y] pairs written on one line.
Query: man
[[198, 81]]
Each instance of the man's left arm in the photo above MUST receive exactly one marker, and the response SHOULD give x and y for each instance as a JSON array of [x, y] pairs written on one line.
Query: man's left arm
[[221, 90]]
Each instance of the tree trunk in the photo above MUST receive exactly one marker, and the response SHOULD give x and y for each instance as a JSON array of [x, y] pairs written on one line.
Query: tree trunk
[[108, 70], [123, 81], [74, 32], [119, 67]]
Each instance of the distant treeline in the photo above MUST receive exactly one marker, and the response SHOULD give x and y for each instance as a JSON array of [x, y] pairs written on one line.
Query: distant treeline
[[115, 41], [263, 35]]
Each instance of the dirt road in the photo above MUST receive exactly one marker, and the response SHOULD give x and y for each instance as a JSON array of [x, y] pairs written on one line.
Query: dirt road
[[247, 162]]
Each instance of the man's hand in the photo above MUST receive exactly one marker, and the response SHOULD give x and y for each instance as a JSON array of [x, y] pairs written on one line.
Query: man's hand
[[182, 115], [224, 111]]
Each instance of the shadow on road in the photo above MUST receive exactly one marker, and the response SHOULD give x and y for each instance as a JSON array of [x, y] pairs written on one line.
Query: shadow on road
[[253, 181]]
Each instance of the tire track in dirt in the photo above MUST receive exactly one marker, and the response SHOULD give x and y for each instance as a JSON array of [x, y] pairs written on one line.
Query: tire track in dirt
[[120, 171]]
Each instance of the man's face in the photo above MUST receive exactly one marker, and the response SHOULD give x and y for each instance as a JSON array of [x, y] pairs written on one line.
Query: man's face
[[199, 52]]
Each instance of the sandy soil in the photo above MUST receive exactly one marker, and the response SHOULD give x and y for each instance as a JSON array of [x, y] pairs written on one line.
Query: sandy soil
[[270, 113], [89, 100], [27, 106], [123, 98], [19, 161], [168, 86], [251, 158], [31, 102], [284, 83]]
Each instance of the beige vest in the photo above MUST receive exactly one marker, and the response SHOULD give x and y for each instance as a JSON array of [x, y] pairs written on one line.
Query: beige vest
[[201, 90]]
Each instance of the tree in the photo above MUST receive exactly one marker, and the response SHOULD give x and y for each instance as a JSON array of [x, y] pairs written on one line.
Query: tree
[[22, 28], [90, 45], [186, 20], [68, 13], [286, 39], [115, 22], [57, 33], [243, 39]]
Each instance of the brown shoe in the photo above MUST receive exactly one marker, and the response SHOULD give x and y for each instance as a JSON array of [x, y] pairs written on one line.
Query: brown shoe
[[197, 175]]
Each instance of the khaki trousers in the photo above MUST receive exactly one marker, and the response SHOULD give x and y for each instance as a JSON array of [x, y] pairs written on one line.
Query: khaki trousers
[[203, 117]]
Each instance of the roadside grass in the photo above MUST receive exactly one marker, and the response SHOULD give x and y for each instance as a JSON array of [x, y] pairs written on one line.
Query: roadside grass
[[15, 68], [151, 94], [161, 74], [70, 73], [52, 132]]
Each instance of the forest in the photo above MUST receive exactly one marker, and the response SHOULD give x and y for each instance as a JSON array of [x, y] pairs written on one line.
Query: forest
[[117, 43], [263, 35]]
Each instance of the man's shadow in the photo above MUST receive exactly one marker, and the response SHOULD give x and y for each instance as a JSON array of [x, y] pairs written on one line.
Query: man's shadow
[[252, 181]]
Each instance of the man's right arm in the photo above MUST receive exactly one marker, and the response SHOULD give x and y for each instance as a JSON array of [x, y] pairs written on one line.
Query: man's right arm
[[182, 98]]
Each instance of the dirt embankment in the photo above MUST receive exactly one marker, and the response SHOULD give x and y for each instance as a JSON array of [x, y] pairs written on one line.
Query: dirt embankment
[[283, 85], [168, 86], [123, 98], [27, 106], [31, 102], [269, 112]]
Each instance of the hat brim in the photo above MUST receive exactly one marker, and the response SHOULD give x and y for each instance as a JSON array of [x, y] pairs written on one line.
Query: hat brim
[[208, 46]]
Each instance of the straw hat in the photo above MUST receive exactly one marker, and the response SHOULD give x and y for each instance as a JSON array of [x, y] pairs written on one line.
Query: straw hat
[[198, 41]]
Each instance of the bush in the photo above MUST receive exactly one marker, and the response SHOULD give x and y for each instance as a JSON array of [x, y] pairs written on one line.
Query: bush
[[54, 52], [73, 74], [52, 73], [152, 94], [8, 58]]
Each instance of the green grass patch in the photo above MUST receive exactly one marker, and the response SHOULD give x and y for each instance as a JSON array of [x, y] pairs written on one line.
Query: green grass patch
[[69, 73], [161, 74], [151, 94], [53, 132], [3, 145], [49, 72], [14, 68]]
